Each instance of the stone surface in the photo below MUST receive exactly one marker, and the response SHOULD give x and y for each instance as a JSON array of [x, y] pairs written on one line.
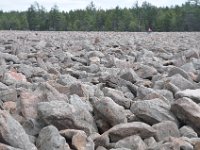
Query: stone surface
[[110, 111], [12, 133], [121, 131], [6, 147], [63, 116], [133, 142], [117, 96], [187, 131], [188, 112], [152, 111], [12, 77], [192, 94], [166, 129], [50, 139]]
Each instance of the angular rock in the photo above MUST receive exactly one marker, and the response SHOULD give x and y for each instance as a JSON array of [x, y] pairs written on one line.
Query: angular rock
[[187, 112], [150, 142], [192, 94], [12, 133], [28, 103], [9, 57], [110, 111], [50, 139], [79, 141], [182, 83], [7, 147], [66, 79], [12, 77], [187, 131], [7, 93], [124, 130], [176, 70], [66, 116], [129, 75], [144, 71], [117, 97], [153, 111], [166, 129], [132, 142], [101, 148], [10, 106], [81, 104], [79, 90], [120, 149]]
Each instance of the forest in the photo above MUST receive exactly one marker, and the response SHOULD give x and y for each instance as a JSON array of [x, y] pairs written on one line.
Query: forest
[[135, 19]]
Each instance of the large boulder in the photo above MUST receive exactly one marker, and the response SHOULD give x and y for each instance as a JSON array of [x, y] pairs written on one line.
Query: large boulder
[[132, 142], [166, 129], [129, 75], [192, 94], [153, 111], [12, 133], [124, 130], [50, 139], [144, 71], [78, 139], [187, 112], [66, 116], [28, 103], [117, 96], [110, 111], [177, 70], [182, 83], [12, 77], [7, 147], [187, 131]]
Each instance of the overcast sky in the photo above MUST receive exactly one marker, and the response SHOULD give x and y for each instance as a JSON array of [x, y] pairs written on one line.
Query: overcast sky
[[66, 5]]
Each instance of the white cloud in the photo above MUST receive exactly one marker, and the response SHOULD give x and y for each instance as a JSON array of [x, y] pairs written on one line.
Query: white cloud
[[7, 5]]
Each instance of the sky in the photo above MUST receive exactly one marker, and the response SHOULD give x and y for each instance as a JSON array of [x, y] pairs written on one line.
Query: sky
[[66, 5]]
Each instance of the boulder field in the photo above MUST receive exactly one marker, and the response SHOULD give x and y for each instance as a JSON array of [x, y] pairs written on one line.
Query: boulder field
[[99, 91]]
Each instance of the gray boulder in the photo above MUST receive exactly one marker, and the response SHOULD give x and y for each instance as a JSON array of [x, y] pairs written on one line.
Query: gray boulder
[[66, 116], [50, 139], [187, 131], [12, 133], [188, 112], [177, 70], [144, 71], [132, 142], [192, 94], [7, 93], [166, 129], [182, 83], [129, 75], [153, 111], [117, 96], [78, 139], [110, 111], [6, 147], [124, 130]]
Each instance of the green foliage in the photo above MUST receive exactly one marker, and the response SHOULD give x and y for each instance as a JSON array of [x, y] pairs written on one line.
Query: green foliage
[[137, 18]]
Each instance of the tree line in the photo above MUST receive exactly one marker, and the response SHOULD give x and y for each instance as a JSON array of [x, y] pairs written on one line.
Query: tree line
[[134, 19]]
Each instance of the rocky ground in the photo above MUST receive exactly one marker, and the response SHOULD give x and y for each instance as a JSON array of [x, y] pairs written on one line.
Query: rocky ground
[[99, 91]]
